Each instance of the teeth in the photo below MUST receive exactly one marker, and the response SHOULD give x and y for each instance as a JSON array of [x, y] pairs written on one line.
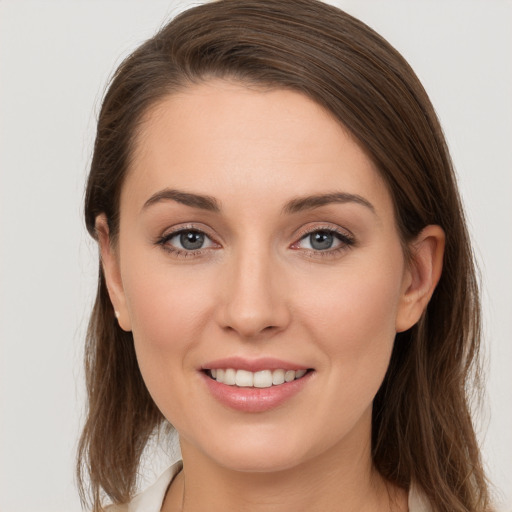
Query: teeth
[[277, 377], [289, 376], [230, 377], [243, 379], [261, 379]]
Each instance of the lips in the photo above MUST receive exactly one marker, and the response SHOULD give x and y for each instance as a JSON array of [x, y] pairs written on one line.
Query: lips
[[254, 385]]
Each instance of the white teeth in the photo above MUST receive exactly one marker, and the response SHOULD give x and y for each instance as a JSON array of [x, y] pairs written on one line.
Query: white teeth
[[244, 379], [277, 377], [261, 379], [289, 375], [230, 377]]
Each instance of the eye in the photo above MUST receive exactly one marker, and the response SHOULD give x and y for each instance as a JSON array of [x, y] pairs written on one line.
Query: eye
[[186, 240], [328, 240], [320, 240]]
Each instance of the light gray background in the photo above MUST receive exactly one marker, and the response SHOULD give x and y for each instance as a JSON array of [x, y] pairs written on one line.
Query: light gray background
[[55, 59]]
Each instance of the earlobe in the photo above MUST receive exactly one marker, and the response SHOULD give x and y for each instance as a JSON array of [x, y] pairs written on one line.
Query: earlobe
[[421, 277], [112, 273]]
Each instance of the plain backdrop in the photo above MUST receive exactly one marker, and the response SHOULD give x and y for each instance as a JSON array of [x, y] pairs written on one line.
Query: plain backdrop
[[55, 59]]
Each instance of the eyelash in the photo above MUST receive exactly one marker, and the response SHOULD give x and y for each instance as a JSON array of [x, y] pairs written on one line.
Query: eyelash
[[163, 241], [347, 241]]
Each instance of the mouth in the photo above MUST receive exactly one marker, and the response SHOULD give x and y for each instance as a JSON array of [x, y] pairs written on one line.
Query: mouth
[[260, 379], [257, 385]]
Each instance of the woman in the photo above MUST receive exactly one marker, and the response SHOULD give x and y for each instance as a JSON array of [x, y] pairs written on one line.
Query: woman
[[286, 276]]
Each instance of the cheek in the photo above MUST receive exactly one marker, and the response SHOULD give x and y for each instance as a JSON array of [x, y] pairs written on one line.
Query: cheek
[[352, 316], [167, 311], [357, 300], [353, 323], [168, 314]]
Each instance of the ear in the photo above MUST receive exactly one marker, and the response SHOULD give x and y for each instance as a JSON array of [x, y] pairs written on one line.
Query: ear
[[421, 276], [112, 273]]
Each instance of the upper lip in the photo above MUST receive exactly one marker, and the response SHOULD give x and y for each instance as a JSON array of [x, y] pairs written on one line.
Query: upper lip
[[253, 365]]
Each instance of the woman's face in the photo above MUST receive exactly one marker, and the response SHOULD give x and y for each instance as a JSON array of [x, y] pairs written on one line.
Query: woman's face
[[257, 238]]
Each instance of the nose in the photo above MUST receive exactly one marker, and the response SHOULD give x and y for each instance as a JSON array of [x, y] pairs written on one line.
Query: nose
[[253, 302]]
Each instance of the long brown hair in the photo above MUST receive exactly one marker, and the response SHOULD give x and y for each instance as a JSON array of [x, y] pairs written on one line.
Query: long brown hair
[[422, 429]]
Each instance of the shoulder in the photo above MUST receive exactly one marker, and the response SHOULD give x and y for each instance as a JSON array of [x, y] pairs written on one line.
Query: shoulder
[[151, 499]]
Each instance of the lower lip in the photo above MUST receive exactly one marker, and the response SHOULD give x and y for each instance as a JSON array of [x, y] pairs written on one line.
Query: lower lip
[[255, 399]]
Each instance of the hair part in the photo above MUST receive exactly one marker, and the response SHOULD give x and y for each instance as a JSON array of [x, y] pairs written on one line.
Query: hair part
[[421, 427]]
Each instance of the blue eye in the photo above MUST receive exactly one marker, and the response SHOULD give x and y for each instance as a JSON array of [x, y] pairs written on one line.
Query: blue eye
[[321, 240], [191, 240], [186, 240], [324, 240]]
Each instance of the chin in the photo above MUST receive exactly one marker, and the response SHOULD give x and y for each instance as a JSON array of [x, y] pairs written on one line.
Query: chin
[[258, 453], [259, 461]]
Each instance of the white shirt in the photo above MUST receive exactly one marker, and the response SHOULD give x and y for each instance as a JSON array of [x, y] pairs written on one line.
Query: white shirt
[[152, 498]]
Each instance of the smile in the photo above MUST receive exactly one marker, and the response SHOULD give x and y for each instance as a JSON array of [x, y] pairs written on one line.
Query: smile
[[255, 391], [259, 379]]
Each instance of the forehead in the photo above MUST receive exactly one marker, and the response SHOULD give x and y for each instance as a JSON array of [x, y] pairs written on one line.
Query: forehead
[[223, 138]]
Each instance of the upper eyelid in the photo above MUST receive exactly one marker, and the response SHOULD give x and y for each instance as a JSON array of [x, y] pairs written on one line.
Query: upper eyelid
[[168, 233], [334, 229]]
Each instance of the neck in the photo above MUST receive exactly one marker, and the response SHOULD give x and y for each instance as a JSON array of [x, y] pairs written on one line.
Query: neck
[[328, 482]]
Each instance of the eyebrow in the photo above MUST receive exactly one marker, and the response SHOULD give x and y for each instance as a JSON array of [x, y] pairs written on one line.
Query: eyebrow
[[316, 201], [194, 200], [299, 204]]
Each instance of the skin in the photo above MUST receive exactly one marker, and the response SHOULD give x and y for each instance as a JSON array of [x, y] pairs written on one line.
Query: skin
[[257, 288]]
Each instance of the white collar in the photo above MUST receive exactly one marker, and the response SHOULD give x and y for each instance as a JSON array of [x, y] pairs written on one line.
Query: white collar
[[152, 498]]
